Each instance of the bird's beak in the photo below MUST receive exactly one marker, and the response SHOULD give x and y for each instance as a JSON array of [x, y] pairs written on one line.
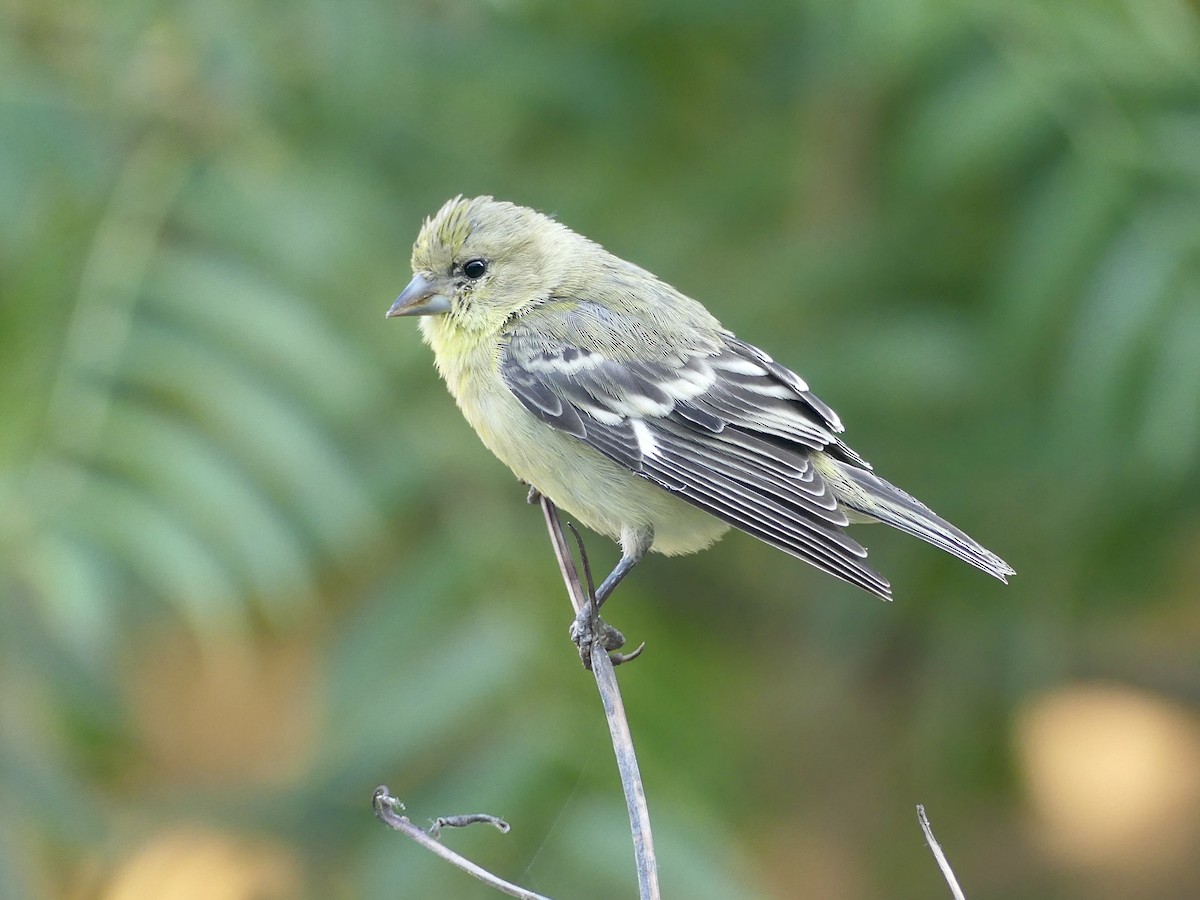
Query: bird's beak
[[420, 298]]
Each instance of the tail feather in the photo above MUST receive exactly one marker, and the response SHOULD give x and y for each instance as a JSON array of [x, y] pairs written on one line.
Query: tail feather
[[882, 501]]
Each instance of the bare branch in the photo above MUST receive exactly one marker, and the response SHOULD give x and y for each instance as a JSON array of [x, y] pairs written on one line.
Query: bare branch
[[387, 809], [942, 862], [614, 710]]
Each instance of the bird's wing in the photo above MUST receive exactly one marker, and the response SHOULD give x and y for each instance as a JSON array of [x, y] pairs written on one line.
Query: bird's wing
[[715, 421]]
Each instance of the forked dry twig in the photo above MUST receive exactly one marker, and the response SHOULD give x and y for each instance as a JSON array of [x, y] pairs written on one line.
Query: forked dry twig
[[388, 811]]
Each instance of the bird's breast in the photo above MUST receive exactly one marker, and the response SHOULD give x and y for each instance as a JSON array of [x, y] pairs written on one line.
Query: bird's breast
[[598, 492]]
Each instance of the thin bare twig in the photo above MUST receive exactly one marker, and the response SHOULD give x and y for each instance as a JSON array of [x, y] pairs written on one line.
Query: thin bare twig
[[566, 562], [942, 862], [387, 809], [614, 711]]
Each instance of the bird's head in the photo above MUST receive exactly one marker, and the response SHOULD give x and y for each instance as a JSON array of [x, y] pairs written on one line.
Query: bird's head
[[476, 262]]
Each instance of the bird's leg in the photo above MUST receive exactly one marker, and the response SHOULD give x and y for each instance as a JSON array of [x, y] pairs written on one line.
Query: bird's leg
[[616, 576], [635, 543]]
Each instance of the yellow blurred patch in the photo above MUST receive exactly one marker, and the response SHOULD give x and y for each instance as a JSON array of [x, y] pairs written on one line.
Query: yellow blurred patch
[[196, 864], [1113, 775]]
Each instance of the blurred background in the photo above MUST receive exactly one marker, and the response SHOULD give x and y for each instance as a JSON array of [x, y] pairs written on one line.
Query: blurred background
[[253, 562]]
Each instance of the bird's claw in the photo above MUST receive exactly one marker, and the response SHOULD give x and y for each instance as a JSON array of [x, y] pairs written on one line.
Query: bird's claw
[[619, 658]]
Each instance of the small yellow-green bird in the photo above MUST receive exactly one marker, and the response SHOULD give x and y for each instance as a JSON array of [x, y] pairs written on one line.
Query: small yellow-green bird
[[632, 408]]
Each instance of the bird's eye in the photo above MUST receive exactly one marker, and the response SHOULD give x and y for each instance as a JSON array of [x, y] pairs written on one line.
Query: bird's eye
[[474, 268]]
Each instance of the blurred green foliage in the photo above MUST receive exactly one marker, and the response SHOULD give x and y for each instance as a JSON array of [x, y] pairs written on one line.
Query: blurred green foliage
[[233, 499]]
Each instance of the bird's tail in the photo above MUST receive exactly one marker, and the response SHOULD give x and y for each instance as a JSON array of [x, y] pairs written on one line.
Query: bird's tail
[[882, 501]]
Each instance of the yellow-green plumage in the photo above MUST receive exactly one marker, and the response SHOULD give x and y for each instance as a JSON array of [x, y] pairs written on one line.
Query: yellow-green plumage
[[628, 405]]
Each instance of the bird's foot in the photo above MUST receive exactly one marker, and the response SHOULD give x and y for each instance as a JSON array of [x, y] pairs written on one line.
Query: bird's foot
[[591, 633]]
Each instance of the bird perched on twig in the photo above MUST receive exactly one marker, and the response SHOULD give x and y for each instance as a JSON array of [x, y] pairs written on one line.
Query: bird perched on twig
[[632, 408]]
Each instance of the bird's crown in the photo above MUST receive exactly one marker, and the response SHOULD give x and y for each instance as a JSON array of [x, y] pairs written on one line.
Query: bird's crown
[[449, 227]]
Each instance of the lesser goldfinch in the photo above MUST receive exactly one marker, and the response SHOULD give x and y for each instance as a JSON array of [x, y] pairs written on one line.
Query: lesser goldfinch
[[632, 408]]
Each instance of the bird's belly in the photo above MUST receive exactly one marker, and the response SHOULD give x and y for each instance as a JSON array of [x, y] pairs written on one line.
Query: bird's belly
[[597, 492]]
